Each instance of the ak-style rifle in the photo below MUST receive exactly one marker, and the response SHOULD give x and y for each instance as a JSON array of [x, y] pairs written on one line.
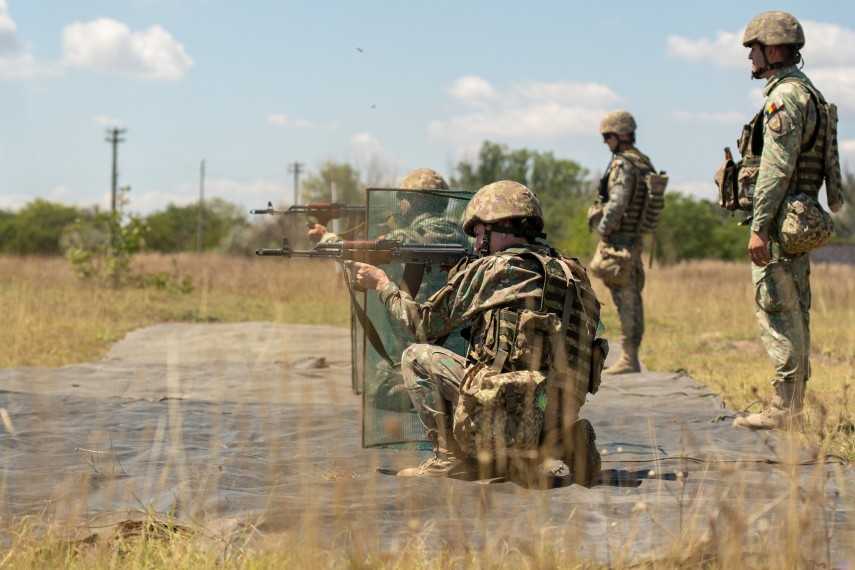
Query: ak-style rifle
[[416, 257], [322, 212]]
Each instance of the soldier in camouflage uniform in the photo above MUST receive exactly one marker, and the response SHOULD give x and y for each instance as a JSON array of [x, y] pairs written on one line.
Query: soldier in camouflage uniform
[[617, 220], [417, 222], [780, 136], [506, 221]]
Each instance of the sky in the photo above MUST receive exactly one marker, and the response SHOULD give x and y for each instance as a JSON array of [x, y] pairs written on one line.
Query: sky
[[388, 86]]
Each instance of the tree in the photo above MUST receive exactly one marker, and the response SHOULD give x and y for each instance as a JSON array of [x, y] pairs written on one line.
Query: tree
[[37, 227], [560, 186], [174, 229], [318, 187], [693, 229]]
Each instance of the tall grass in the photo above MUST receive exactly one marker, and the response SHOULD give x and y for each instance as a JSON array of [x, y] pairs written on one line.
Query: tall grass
[[699, 319]]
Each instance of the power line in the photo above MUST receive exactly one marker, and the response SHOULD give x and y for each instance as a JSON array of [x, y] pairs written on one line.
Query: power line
[[296, 168], [114, 137]]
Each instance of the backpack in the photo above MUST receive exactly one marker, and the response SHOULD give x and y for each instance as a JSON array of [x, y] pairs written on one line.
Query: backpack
[[654, 193]]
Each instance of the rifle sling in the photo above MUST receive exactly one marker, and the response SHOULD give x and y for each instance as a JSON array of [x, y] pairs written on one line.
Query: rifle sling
[[367, 325]]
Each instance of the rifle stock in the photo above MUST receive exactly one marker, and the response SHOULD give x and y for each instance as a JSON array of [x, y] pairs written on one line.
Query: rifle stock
[[322, 212]]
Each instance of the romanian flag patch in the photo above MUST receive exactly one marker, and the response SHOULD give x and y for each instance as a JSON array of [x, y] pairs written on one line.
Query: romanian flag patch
[[770, 110]]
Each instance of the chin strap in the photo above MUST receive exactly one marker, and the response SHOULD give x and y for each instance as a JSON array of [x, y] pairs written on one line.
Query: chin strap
[[795, 59], [523, 229]]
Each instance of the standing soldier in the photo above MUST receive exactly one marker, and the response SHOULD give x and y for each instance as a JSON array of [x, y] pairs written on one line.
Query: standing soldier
[[617, 217], [787, 136]]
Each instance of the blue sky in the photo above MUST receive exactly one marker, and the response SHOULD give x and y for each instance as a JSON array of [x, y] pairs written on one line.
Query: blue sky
[[386, 85]]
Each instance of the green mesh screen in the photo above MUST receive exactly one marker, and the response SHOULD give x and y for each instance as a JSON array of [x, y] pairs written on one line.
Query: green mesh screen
[[430, 217]]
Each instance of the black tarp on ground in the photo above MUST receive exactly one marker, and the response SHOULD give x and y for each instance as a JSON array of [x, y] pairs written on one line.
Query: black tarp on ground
[[239, 426]]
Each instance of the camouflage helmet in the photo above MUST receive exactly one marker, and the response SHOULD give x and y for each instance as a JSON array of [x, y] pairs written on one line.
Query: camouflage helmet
[[619, 122], [505, 200], [423, 179], [774, 29]]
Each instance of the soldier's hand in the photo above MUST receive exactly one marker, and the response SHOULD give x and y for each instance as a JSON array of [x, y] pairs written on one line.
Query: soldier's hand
[[758, 248], [317, 232], [368, 276]]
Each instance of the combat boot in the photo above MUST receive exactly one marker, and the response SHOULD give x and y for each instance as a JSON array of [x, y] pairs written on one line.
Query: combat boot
[[583, 458], [448, 461], [783, 412], [627, 363]]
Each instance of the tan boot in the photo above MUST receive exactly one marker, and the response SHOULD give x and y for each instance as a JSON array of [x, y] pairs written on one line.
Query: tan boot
[[627, 363], [783, 412], [448, 461], [583, 458]]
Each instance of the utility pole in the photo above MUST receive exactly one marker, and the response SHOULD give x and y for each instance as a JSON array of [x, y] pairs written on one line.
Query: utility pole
[[114, 137], [200, 220], [296, 168]]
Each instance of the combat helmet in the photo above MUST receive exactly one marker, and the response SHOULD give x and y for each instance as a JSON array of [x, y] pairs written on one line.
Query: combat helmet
[[619, 122], [774, 29], [504, 200], [423, 179]]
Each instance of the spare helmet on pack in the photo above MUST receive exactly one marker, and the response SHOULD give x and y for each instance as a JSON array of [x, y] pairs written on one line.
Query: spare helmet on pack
[[619, 122], [504, 200], [775, 28]]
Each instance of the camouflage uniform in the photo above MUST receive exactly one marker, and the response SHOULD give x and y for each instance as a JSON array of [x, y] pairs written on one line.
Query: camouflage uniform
[[623, 181], [433, 375], [781, 287]]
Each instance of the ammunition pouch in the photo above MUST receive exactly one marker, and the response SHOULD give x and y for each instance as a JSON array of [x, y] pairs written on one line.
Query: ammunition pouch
[[612, 264]]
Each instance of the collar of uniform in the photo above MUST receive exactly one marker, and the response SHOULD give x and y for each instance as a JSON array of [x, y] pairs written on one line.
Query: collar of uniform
[[778, 76]]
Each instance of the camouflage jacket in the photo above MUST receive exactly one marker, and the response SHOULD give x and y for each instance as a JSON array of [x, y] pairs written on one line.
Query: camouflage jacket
[[490, 282], [624, 179], [790, 119]]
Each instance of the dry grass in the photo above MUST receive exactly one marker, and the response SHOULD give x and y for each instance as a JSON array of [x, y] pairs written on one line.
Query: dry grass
[[52, 318], [699, 319]]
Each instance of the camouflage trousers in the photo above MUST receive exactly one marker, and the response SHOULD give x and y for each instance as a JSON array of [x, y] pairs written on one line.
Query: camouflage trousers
[[627, 298], [432, 375], [782, 305]]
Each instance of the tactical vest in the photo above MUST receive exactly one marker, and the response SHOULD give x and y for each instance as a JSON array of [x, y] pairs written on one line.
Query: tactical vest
[[524, 335], [810, 164], [631, 221]]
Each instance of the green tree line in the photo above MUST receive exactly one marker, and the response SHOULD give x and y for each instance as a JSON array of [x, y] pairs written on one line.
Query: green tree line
[[689, 228]]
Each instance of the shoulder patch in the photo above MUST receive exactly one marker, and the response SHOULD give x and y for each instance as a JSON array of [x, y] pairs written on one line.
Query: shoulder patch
[[771, 109]]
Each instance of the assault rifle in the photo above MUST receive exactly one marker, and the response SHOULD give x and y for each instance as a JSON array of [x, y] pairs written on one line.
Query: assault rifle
[[416, 257], [322, 212], [379, 252]]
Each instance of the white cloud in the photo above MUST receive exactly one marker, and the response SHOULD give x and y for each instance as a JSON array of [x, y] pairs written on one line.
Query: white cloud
[[60, 194], [725, 50], [109, 46], [105, 121], [829, 55], [14, 202], [283, 121], [253, 193], [472, 90], [16, 61], [847, 153], [534, 110], [699, 189], [826, 45], [725, 118]]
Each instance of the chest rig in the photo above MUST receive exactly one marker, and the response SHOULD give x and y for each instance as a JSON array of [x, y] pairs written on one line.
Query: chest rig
[[810, 165], [555, 334], [631, 221]]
